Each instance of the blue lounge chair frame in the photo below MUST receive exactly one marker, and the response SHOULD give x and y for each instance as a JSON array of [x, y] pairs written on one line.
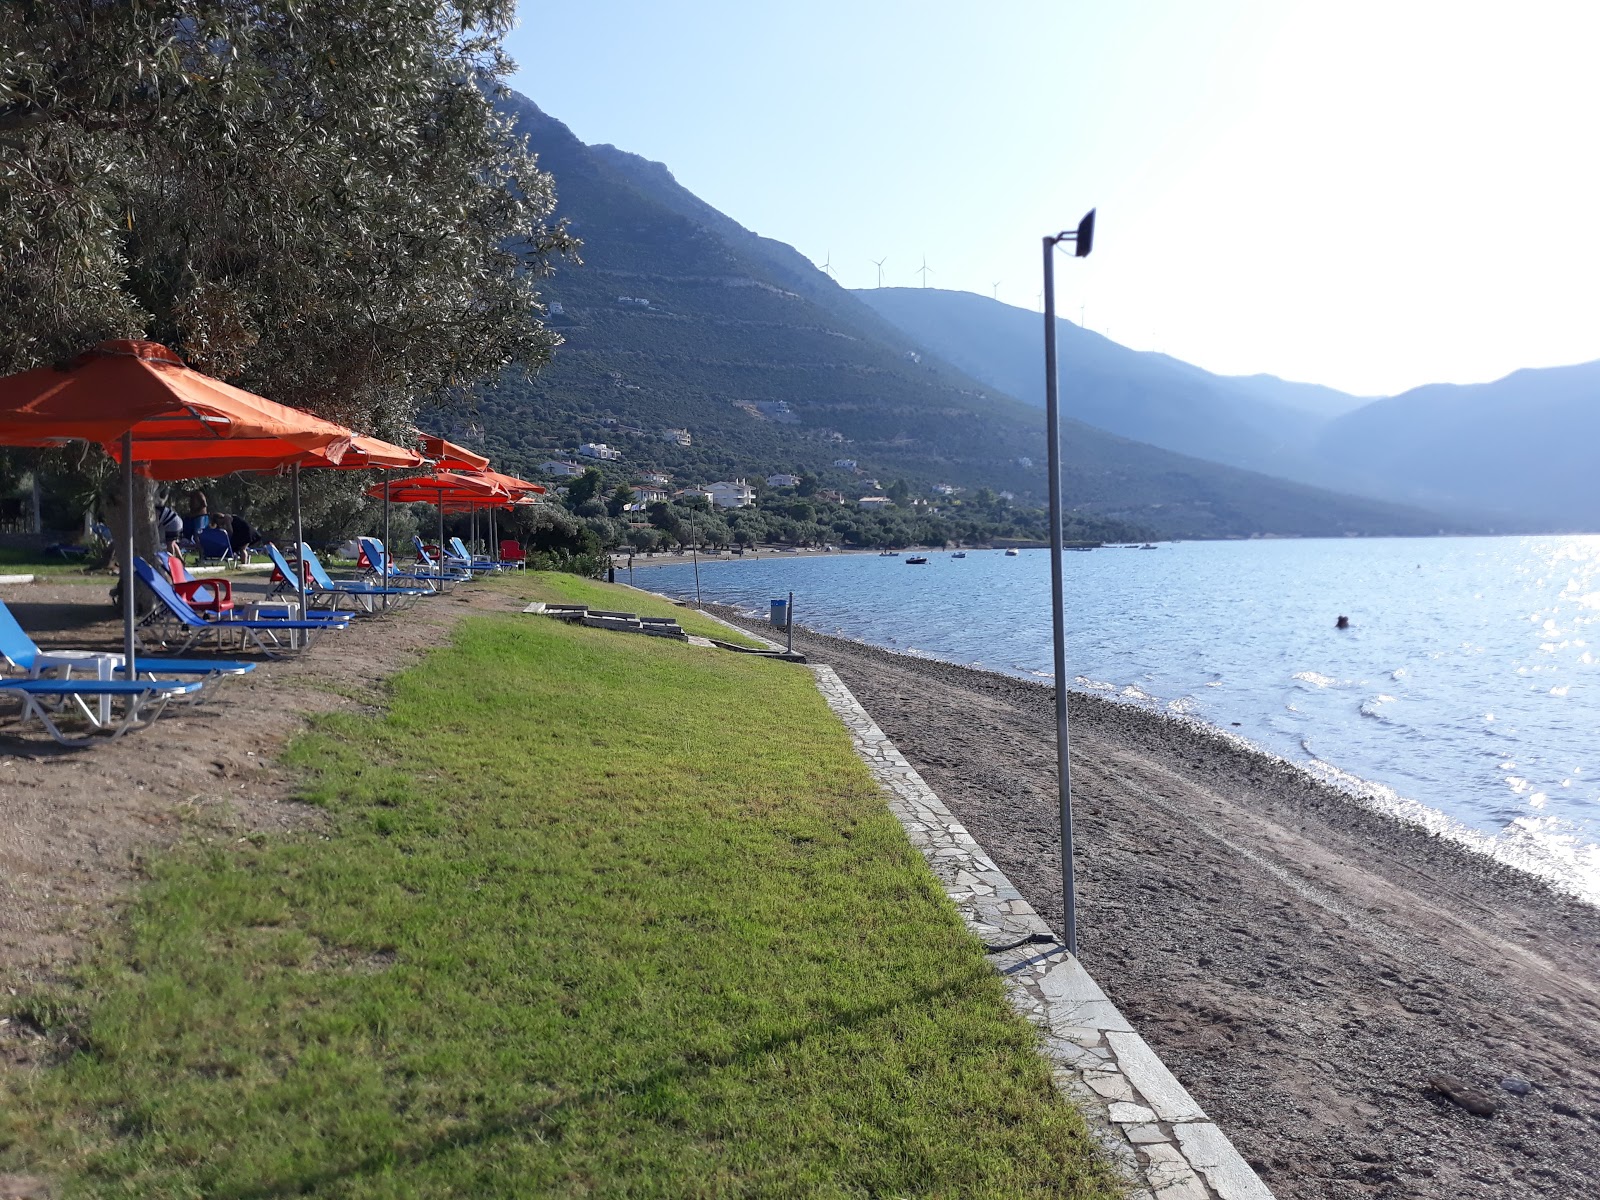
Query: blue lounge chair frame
[[144, 702], [462, 557], [454, 573], [384, 568], [22, 652], [191, 627], [367, 595], [323, 588], [214, 545]]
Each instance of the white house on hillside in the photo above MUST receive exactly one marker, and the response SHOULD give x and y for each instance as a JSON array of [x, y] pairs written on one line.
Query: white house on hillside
[[648, 493], [735, 494], [599, 450], [680, 436], [845, 464], [656, 477], [874, 503], [783, 481], [560, 468]]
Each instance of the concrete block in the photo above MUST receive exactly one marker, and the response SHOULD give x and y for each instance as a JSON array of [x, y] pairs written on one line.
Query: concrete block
[[1159, 1087], [1224, 1168]]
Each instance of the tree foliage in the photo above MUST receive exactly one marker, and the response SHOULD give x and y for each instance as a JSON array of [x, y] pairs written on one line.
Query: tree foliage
[[316, 200]]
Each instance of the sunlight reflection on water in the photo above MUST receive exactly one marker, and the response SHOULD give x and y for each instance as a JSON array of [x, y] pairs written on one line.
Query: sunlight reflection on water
[[1464, 653]]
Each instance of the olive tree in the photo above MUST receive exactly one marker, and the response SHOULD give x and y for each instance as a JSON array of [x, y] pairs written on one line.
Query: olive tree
[[318, 201]]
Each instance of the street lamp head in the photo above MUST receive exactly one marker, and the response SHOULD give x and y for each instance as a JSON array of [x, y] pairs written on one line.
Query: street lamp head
[[1084, 241], [1082, 238]]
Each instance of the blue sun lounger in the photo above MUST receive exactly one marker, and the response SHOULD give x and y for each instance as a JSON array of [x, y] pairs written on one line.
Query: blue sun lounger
[[367, 593], [321, 586], [22, 652], [453, 573], [463, 559], [144, 701], [383, 568], [191, 626]]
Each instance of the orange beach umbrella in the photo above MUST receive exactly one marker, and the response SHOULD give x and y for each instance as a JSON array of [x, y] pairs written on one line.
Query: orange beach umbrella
[[141, 401], [448, 456], [171, 410], [440, 489], [360, 453]]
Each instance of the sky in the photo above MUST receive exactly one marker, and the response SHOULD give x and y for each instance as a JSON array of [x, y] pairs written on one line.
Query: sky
[[1371, 196]]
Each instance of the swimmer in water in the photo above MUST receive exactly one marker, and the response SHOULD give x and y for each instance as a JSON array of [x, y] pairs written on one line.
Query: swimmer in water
[[1342, 623]]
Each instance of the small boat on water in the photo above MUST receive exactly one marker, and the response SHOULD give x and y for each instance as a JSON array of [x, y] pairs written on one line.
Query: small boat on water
[[1011, 551], [917, 560], [888, 554], [959, 554]]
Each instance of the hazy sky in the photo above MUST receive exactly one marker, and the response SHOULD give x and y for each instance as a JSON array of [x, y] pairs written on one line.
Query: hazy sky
[[1367, 195]]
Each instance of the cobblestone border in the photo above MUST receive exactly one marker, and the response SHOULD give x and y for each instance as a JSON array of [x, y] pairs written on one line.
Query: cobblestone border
[[1138, 1111]]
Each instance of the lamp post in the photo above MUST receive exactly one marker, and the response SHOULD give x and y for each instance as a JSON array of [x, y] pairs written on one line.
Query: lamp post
[[1083, 241]]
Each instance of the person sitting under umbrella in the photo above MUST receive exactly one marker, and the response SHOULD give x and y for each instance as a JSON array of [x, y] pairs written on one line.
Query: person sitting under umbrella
[[240, 535]]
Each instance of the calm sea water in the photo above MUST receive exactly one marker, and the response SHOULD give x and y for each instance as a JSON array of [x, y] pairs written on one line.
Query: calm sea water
[[1466, 695]]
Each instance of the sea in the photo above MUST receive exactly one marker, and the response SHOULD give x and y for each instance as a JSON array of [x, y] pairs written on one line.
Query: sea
[[1464, 696]]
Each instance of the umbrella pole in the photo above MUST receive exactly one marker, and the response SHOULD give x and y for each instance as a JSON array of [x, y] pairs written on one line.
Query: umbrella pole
[[384, 577], [439, 562], [127, 556], [299, 538]]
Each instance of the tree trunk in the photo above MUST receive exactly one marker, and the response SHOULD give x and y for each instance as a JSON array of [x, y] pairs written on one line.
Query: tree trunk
[[146, 540]]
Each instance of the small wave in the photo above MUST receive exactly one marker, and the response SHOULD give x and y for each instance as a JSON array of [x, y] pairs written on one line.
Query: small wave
[[1374, 708], [1531, 844], [1316, 679]]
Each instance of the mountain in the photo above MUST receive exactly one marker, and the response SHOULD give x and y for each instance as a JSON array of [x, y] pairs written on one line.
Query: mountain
[[1523, 445], [681, 319], [1511, 455], [1257, 422]]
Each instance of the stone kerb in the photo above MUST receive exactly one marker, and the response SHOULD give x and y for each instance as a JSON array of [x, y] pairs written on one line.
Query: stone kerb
[[1143, 1117]]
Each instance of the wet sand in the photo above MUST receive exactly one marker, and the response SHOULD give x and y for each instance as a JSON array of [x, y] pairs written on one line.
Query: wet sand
[[1304, 964]]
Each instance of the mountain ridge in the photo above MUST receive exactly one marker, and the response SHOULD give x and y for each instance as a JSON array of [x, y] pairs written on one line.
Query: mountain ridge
[[682, 319]]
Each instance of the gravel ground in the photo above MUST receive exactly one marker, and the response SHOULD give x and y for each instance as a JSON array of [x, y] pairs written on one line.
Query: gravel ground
[[1307, 966]]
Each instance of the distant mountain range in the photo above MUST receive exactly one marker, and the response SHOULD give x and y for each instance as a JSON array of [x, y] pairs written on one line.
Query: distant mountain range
[[679, 318], [1512, 454]]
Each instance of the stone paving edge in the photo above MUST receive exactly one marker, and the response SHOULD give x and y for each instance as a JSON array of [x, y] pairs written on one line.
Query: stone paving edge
[[1139, 1112]]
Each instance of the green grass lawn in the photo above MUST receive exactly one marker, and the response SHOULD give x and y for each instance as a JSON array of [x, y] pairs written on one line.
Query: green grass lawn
[[596, 915], [16, 561], [555, 587]]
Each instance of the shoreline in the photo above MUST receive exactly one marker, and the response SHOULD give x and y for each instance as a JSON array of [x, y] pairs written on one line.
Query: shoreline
[[1304, 962], [1362, 793], [1376, 796]]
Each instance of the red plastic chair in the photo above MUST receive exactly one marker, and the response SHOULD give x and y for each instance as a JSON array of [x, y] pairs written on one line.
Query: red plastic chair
[[512, 552], [208, 597]]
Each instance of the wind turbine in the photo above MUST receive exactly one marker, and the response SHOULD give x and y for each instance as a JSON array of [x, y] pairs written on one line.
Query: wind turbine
[[925, 270], [878, 262], [997, 289], [827, 267]]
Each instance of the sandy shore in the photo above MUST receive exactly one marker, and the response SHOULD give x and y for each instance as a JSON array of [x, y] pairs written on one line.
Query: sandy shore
[[1304, 964]]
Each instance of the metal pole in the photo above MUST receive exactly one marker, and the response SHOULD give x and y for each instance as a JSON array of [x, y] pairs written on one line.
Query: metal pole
[[129, 666], [299, 538], [789, 623], [383, 577], [694, 551], [1057, 613], [439, 560]]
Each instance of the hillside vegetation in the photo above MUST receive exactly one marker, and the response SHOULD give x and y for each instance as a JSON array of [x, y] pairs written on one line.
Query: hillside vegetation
[[681, 319]]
